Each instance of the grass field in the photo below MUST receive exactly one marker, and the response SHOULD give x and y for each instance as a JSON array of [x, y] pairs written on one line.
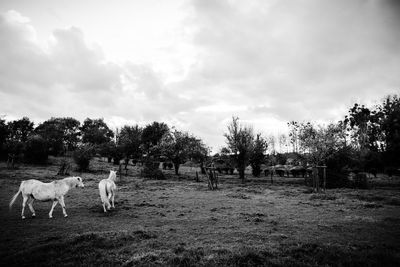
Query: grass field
[[180, 222]]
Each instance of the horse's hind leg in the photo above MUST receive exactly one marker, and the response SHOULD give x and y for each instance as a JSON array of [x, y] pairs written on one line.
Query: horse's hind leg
[[104, 207], [24, 200], [52, 208], [109, 196], [63, 206], [112, 199], [30, 205]]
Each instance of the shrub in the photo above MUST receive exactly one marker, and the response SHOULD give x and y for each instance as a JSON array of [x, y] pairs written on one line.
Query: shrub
[[36, 150], [151, 170], [82, 157], [361, 181], [336, 179]]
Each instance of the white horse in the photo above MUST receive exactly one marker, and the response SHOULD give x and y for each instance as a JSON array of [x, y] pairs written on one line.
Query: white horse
[[107, 190], [32, 190]]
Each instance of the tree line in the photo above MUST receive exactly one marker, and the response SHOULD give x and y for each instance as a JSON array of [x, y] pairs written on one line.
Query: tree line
[[59, 136], [366, 139]]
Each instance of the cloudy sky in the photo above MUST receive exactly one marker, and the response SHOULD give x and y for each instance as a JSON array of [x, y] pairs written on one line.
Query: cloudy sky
[[194, 64]]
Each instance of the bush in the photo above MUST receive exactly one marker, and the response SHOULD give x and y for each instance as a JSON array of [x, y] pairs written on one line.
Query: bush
[[36, 150], [336, 179], [151, 171], [82, 157], [361, 181]]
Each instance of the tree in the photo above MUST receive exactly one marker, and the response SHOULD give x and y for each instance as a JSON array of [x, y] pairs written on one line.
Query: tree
[[19, 130], [390, 128], [3, 138], [282, 139], [294, 128], [51, 131], [152, 135], [36, 150], [82, 156], [257, 155], [180, 146], [240, 142], [60, 134], [359, 120], [271, 144], [71, 132], [130, 140], [95, 132], [319, 142]]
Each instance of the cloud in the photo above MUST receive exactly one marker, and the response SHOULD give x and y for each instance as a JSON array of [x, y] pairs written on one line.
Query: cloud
[[267, 62], [50, 78], [299, 58]]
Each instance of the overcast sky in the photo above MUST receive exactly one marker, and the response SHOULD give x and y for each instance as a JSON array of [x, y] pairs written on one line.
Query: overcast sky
[[194, 64]]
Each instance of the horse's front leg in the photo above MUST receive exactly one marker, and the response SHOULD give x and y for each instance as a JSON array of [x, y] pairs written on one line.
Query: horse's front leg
[[52, 208], [61, 200], [24, 199]]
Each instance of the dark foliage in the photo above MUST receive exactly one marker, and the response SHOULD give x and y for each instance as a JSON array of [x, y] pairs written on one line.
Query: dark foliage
[[151, 170], [95, 132], [36, 149], [82, 157]]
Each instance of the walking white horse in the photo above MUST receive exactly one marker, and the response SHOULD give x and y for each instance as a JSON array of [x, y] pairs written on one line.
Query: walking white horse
[[107, 190], [32, 190]]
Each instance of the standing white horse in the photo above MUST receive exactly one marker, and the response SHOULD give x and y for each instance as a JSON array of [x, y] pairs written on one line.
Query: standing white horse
[[32, 190], [107, 190]]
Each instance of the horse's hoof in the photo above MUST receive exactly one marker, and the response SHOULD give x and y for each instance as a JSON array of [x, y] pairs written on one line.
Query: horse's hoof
[[65, 216], [50, 217], [33, 215], [23, 217]]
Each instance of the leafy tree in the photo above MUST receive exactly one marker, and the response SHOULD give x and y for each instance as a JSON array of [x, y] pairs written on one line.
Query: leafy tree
[[95, 132], [51, 131], [257, 155], [130, 140], [71, 132], [19, 130], [36, 150], [82, 156], [320, 142], [240, 142], [3, 138], [390, 127], [363, 122], [152, 135], [59, 133], [180, 146]]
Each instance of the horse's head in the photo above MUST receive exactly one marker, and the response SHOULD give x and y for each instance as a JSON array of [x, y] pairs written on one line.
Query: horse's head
[[113, 175], [79, 182]]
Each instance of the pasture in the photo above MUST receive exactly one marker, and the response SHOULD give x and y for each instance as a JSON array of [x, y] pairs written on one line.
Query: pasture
[[180, 222]]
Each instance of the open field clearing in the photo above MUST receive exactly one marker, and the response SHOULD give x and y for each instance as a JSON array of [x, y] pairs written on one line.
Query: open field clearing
[[181, 222]]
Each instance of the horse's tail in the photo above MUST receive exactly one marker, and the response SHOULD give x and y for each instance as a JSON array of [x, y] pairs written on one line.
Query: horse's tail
[[16, 195], [103, 193]]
